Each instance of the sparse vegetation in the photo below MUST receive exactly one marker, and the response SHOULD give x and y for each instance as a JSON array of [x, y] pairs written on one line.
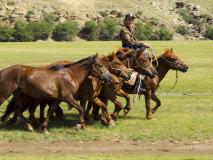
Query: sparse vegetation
[[182, 29], [209, 32]]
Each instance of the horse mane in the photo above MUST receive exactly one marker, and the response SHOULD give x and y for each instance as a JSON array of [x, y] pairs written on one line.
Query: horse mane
[[124, 52], [165, 54], [58, 67]]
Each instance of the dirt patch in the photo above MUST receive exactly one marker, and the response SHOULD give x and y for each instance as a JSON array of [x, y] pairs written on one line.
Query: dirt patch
[[96, 147]]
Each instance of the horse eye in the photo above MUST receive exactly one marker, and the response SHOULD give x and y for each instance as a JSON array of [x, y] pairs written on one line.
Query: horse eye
[[143, 60]]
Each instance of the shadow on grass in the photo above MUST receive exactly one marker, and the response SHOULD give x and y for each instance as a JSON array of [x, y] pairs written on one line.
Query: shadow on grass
[[69, 121]]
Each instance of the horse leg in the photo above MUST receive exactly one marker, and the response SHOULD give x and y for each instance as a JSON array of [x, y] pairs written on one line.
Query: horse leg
[[105, 112], [83, 102], [147, 101], [118, 106], [52, 109], [24, 120], [13, 119], [32, 109], [42, 108], [121, 93], [89, 106], [158, 103], [59, 113]]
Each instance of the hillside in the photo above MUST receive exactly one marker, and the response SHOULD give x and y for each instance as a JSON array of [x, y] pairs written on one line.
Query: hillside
[[164, 11]]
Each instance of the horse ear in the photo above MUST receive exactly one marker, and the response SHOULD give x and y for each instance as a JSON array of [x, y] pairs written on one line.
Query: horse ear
[[172, 50], [96, 55], [113, 54], [140, 51]]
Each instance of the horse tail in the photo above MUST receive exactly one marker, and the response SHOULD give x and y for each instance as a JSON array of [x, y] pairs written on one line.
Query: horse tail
[[8, 111]]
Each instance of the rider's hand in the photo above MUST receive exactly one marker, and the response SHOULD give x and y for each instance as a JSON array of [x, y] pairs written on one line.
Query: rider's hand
[[146, 45]]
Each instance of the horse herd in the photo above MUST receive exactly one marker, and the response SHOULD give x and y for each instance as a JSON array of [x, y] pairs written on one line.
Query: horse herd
[[91, 79]]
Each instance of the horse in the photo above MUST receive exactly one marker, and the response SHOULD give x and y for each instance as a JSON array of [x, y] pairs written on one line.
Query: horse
[[111, 63], [134, 60], [168, 60], [59, 83]]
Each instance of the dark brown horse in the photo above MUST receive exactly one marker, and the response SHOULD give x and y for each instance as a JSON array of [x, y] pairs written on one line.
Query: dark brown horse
[[49, 85], [111, 62], [165, 62]]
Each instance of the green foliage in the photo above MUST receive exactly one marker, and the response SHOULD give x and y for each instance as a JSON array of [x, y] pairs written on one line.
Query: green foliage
[[163, 34], [23, 32], [154, 21], [186, 15], [49, 18], [109, 30], [182, 29], [6, 34], [65, 31], [139, 13], [145, 32], [205, 16], [103, 14], [30, 12], [41, 30], [91, 30], [209, 33]]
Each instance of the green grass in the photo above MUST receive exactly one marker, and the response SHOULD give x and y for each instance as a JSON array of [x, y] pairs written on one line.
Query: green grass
[[108, 157], [186, 111]]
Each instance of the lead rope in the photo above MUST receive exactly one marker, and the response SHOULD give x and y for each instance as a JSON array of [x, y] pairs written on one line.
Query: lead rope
[[172, 86], [137, 89]]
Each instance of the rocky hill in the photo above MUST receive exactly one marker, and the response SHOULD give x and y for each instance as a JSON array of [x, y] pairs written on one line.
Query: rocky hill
[[165, 11]]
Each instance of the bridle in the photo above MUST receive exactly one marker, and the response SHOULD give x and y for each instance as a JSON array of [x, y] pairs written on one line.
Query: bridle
[[112, 68], [102, 74]]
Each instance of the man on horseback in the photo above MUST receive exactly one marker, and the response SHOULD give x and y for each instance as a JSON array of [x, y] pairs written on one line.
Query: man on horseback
[[129, 40]]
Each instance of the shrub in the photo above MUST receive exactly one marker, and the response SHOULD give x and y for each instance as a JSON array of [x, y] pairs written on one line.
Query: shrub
[[109, 30], [23, 33], [163, 34], [154, 21], [41, 30], [196, 22], [65, 31], [186, 15], [49, 18], [103, 14], [182, 29], [91, 30], [209, 33], [139, 13], [144, 32], [30, 12], [6, 34]]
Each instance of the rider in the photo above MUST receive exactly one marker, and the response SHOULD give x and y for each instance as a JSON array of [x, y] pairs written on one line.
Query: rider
[[129, 40]]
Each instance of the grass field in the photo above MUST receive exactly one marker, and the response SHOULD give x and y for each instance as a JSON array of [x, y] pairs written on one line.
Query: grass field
[[186, 111]]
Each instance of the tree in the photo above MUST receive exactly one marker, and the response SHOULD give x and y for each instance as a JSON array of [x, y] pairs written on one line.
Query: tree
[[65, 31], [6, 34]]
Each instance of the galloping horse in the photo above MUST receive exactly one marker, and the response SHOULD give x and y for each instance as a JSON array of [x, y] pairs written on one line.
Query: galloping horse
[[59, 84], [165, 62], [111, 62], [134, 60]]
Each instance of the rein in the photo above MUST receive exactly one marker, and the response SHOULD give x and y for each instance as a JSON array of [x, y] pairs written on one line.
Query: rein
[[121, 70], [172, 86]]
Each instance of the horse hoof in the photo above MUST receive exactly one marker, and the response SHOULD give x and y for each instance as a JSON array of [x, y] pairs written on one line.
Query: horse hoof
[[112, 125], [150, 118], [46, 132], [78, 127], [29, 127]]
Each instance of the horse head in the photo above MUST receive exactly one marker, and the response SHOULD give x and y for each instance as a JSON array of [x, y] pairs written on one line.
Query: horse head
[[174, 62], [99, 71], [116, 67], [137, 60]]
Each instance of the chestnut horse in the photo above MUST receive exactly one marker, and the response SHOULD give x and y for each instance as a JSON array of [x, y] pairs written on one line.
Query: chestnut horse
[[57, 86], [134, 60], [165, 62], [111, 62]]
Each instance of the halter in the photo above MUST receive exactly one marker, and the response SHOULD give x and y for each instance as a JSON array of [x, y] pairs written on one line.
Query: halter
[[121, 70], [146, 69], [100, 74]]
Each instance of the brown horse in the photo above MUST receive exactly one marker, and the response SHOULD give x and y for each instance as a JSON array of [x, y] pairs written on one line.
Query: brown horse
[[133, 60], [111, 62], [165, 62], [57, 86]]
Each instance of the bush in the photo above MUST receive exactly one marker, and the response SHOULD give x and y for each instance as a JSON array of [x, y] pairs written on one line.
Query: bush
[[144, 32], [6, 34], [41, 30], [196, 22], [163, 34], [103, 14], [23, 33], [186, 15], [154, 21], [109, 30], [182, 29], [91, 30], [65, 31], [30, 12], [49, 18], [209, 33], [139, 13]]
